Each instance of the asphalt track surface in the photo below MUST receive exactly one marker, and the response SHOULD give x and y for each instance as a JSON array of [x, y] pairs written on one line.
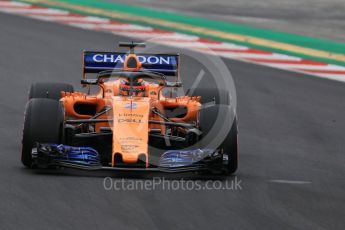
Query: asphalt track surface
[[291, 150]]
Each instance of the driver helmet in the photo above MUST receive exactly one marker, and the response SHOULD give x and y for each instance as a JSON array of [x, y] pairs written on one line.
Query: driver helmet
[[138, 87]]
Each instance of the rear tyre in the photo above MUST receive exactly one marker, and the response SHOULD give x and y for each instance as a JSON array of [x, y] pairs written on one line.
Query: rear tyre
[[43, 122], [211, 125], [49, 90]]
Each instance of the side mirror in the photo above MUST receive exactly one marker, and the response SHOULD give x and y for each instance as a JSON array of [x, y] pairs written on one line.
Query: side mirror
[[89, 81], [173, 84]]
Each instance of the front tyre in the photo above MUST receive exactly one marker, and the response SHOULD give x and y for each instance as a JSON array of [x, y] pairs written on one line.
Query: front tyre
[[218, 123], [230, 148], [49, 90], [43, 122]]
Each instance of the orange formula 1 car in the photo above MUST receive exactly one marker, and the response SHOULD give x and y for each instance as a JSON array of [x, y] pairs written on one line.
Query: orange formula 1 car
[[134, 122]]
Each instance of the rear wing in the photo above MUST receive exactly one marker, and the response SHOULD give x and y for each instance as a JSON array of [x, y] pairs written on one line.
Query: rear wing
[[95, 62]]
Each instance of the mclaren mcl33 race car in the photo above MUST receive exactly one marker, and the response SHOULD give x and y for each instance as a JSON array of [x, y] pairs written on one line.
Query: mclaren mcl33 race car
[[134, 121]]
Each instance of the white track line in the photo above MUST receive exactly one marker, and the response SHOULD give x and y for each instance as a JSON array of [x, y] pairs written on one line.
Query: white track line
[[307, 67], [330, 76], [34, 11], [109, 27], [273, 56], [290, 182], [74, 19], [196, 44]]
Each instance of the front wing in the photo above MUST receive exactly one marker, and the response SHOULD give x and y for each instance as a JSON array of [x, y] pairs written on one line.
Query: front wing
[[86, 158]]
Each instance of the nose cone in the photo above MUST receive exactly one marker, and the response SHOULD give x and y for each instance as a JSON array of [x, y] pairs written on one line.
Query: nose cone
[[130, 128]]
